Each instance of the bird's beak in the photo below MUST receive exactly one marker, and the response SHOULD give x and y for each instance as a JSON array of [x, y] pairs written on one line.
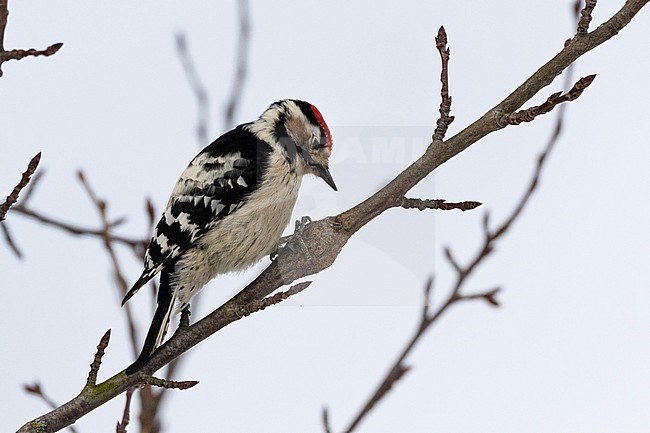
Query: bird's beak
[[324, 173]]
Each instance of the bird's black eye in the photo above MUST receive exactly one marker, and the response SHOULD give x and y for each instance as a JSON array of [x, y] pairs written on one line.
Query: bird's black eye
[[307, 157]]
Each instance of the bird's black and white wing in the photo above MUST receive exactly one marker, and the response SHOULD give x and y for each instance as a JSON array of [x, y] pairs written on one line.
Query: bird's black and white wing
[[213, 185]]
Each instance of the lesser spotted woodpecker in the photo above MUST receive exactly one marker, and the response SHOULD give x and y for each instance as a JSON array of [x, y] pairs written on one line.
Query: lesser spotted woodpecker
[[231, 205]]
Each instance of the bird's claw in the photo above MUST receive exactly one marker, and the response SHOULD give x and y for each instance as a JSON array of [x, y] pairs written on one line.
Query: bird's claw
[[301, 224], [284, 241]]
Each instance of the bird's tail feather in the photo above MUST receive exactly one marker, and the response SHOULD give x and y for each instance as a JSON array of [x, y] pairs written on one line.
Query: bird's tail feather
[[159, 324]]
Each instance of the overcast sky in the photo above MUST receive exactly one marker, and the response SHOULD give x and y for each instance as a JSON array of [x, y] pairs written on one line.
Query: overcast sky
[[567, 352]]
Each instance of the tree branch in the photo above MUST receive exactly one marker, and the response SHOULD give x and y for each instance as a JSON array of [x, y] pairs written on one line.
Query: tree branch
[[326, 421], [554, 100], [126, 415], [97, 361], [10, 240], [242, 64], [93, 396], [37, 390], [19, 54], [4, 15], [108, 245], [324, 239], [445, 104], [585, 19], [441, 204], [440, 152], [137, 245], [202, 100], [13, 197], [170, 384], [463, 272], [397, 370]]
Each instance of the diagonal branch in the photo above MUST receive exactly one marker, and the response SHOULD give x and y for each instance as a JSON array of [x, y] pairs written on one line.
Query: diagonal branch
[[10, 240], [93, 396], [108, 245], [324, 239], [126, 415], [553, 101], [13, 197], [37, 390], [202, 100], [326, 421], [397, 370], [440, 152]]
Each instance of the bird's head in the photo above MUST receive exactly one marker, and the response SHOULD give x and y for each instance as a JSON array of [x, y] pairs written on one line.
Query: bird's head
[[300, 130]]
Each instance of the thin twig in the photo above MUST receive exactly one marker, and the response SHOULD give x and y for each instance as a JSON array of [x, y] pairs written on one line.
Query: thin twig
[[13, 197], [170, 384], [243, 42], [31, 186], [18, 54], [31, 52], [489, 296], [4, 15], [555, 99], [261, 304], [126, 416], [585, 19], [117, 269], [452, 260], [440, 204], [445, 104], [426, 300], [326, 421], [10, 241], [97, 361], [281, 296], [150, 211], [202, 101], [137, 245]]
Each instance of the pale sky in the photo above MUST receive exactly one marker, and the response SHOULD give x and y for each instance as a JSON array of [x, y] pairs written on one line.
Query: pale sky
[[566, 353]]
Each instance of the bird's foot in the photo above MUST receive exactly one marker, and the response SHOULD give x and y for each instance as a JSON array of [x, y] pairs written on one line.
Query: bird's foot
[[289, 242], [301, 224], [297, 234]]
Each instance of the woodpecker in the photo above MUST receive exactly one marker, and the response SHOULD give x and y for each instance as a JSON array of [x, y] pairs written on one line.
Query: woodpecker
[[230, 206]]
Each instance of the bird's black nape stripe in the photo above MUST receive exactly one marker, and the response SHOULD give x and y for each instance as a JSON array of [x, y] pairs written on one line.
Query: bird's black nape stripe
[[283, 137], [307, 110], [305, 107]]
